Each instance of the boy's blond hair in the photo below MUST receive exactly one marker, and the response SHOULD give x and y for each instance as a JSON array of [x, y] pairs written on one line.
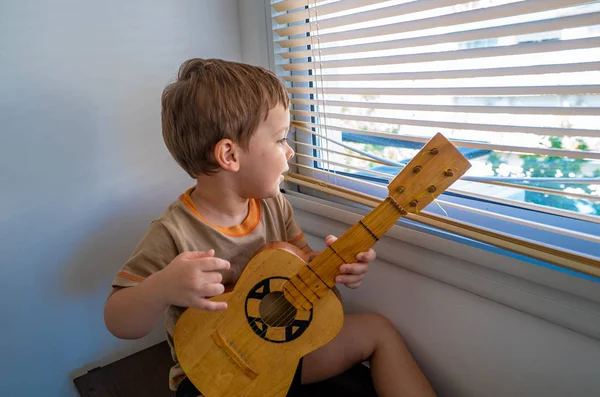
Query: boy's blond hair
[[211, 100]]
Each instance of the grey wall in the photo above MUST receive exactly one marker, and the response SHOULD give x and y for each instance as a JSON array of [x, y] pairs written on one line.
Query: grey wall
[[83, 168], [257, 46]]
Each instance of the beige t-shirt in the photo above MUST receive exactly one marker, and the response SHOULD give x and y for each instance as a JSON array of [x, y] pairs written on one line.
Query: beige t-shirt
[[181, 228]]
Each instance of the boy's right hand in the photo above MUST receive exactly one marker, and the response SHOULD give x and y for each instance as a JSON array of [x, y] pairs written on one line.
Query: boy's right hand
[[191, 278]]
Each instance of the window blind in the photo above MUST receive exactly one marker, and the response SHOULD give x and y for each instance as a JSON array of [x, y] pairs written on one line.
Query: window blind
[[514, 84]]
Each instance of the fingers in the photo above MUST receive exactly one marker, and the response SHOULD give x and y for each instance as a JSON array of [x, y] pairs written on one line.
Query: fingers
[[366, 257], [211, 277], [352, 274], [353, 285], [206, 260], [205, 304], [350, 281], [210, 264], [330, 239], [190, 255], [211, 289], [354, 268], [206, 291]]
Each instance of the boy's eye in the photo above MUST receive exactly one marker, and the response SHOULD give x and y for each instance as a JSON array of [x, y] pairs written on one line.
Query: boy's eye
[[282, 140]]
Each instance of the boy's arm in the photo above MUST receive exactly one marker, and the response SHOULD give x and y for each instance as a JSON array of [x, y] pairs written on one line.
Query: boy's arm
[[132, 312], [136, 303], [187, 281]]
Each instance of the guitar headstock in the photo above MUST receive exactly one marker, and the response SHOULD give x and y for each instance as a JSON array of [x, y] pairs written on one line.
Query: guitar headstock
[[437, 165]]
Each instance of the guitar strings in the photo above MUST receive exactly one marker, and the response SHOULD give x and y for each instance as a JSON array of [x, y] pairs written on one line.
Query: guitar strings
[[439, 205], [278, 304]]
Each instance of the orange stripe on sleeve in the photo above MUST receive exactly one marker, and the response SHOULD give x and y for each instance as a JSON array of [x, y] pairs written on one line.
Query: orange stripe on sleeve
[[296, 239], [131, 277]]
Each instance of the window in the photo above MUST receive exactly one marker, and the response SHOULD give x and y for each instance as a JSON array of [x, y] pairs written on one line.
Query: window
[[514, 84]]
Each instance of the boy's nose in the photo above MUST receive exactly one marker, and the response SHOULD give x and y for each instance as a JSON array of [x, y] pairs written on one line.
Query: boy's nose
[[290, 153]]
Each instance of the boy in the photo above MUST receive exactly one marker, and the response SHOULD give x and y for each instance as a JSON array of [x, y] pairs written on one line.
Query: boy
[[225, 123]]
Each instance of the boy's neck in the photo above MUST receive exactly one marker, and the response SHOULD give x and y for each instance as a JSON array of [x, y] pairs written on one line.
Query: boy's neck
[[218, 202]]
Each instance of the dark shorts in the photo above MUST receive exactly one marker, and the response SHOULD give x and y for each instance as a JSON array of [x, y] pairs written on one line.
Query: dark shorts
[[187, 389]]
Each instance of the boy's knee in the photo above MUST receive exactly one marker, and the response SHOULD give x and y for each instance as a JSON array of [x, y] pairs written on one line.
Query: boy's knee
[[381, 327], [371, 332]]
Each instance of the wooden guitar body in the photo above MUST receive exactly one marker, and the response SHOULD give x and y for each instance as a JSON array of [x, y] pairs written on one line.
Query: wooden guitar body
[[283, 307], [231, 353]]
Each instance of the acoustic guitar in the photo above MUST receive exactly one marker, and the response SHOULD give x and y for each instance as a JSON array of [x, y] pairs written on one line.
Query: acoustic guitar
[[282, 307]]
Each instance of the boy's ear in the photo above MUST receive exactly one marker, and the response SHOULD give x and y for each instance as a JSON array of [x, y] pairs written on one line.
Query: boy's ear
[[227, 154]]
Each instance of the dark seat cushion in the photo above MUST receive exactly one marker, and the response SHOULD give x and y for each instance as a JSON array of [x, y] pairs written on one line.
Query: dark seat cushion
[[146, 374]]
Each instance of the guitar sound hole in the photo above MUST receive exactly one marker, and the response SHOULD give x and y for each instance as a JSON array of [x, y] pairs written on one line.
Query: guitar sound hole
[[276, 311]]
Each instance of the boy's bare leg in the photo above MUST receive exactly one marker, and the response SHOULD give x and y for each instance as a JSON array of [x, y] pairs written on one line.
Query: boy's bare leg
[[371, 337]]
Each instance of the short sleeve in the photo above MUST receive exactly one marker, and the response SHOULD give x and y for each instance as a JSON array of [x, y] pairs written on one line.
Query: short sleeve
[[153, 253], [294, 234]]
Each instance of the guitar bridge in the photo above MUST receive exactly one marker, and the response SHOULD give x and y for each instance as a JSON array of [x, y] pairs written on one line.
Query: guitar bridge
[[221, 341]]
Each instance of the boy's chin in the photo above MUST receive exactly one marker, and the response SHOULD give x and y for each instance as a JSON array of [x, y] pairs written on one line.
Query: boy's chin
[[276, 190], [267, 193]]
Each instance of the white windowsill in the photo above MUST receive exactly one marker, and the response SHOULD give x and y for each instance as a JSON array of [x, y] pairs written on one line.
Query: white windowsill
[[560, 298]]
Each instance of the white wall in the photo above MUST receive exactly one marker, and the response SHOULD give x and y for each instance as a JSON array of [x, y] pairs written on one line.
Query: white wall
[[497, 336], [83, 168]]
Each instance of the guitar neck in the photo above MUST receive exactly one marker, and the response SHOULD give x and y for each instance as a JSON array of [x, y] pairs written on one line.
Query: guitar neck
[[359, 238], [437, 165]]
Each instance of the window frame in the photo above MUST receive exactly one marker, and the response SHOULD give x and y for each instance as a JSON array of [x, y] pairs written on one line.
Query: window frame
[[490, 223]]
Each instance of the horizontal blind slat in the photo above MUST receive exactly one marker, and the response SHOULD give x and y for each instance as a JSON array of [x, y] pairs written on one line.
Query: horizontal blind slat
[[550, 131], [450, 74], [515, 29], [452, 55], [456, 91], [457, 142], [286, 5], [527, 188], [535, 207], [326, 9], [358, 17], [542, 110], [479, 15]]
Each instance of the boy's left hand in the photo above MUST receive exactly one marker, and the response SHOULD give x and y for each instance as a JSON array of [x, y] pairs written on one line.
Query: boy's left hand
[[353, 273]]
